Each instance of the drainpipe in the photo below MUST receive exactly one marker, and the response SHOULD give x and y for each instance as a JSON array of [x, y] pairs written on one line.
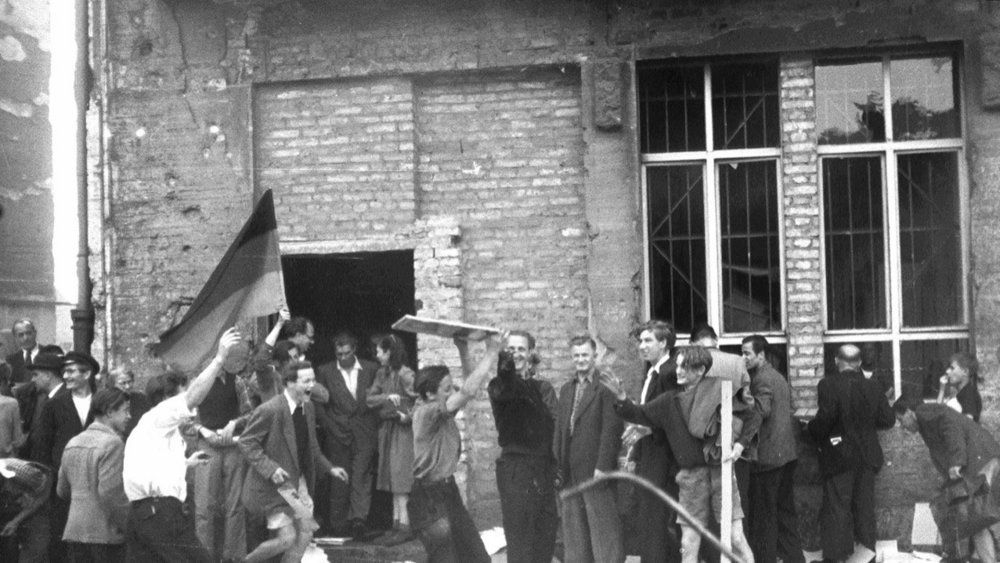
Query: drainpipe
[[83, 314]]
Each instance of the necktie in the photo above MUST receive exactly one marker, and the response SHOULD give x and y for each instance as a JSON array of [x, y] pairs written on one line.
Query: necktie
[[581, 384], [645, 385], [27, 357]]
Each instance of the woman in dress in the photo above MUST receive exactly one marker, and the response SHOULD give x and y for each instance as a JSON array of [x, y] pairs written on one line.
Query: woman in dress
[[392, 394], [960, 386]]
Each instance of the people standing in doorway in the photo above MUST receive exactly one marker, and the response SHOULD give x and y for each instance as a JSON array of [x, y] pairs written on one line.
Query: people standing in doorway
[[524, 410], [392, 395], [351, 435]]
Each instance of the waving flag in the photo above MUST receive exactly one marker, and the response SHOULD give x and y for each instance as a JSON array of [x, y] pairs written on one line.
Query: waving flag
[[247, 283]]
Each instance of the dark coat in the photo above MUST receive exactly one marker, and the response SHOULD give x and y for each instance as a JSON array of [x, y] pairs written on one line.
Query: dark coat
[[57, 424], [18, 369], [345, 418], [269, 443], [597, 435], [653, 458], [773, 398], [954, 439], [853, 408]]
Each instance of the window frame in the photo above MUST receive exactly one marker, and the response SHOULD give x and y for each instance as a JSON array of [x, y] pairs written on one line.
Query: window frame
[[709, 159], [888, 151]]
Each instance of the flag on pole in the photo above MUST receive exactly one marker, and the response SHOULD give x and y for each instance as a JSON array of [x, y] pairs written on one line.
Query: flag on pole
[[247, 283]]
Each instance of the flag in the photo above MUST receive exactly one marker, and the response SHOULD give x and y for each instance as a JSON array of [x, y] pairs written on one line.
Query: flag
[[246, 283]]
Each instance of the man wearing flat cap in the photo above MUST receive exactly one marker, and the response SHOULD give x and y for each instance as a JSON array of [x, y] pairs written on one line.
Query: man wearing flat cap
[[64, 415]]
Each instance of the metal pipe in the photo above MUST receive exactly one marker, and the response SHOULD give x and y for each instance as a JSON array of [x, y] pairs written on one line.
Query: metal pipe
[[691, 521], [83, 315]]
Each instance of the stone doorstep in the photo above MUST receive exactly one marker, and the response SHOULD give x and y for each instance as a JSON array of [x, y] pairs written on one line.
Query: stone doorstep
[[352, 552]]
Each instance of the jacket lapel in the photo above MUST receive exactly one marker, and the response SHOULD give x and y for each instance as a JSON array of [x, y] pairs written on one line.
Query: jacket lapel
[[589, 393], [288, 429], [341, 386]]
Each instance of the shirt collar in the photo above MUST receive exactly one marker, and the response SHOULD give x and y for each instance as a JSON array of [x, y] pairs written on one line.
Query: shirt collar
[[355, 367], [291, 402], [587, 378], [662, 361]]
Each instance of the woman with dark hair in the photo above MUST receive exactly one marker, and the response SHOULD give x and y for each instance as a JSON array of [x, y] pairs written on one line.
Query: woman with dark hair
[[392, 394], [960, 385], [436, 510]]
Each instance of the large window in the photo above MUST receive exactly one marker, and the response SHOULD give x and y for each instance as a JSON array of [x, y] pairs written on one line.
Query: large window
[[710, 138], [893, 198]]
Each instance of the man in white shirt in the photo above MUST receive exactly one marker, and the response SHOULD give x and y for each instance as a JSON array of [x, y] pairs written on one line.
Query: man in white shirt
[[155, 466]]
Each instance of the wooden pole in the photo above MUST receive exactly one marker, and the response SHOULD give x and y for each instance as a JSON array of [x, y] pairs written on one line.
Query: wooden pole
[[726, 435]]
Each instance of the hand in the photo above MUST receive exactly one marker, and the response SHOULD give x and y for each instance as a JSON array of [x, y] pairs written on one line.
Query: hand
[[955, 472], [10, 529], [735, 453], [597, 473], [461, 343], [403, 417], [339, 473], [227, 432], [493, 344], [284, 315], [393, 398], [614, 384], [279, 476], [197, 458], [633, 433], [229, 339]]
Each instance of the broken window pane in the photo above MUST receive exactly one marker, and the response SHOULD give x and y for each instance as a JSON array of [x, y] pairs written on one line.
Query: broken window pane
[[849, 103], [745, 106], [854, 237], [930, 239], [677, 244], [923, 99], [672, 109], [751, 265]]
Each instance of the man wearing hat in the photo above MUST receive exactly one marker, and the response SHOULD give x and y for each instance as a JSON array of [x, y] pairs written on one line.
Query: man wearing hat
[[66, 413]]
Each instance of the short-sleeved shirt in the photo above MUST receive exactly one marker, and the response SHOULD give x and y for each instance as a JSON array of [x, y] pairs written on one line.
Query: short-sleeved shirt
[[154, 453], [437, 442]]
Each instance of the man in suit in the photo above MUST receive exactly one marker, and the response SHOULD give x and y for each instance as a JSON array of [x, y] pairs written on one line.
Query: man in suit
[[66, 413], [90, 480], [851, 410], [350, 430], [26, 338], [30, 397], [588, 437], [649, 449], [772, 520], [280, 445]]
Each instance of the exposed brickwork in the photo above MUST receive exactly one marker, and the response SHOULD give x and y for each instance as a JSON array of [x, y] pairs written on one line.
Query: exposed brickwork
[[800, 184]]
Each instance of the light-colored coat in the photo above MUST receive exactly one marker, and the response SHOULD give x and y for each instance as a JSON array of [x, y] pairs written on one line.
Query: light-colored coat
[[90, 477], [11, 433], [269, 443]]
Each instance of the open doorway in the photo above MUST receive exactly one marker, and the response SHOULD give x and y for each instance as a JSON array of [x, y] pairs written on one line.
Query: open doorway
[[361, 292]]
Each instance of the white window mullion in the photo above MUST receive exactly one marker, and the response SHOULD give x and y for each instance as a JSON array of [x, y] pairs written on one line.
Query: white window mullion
[[647, 305], [713, 242]]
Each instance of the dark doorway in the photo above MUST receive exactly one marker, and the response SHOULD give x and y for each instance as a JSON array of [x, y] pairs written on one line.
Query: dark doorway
[[363, 292]]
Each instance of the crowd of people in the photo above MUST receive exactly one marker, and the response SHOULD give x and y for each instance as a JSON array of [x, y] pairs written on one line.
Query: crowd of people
[[262, 450]]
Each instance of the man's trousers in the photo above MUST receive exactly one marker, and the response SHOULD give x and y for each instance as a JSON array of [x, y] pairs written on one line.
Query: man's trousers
[[847, 513], [772, 521], [528, 504], [218, 487], [592, 528], [351, 500]]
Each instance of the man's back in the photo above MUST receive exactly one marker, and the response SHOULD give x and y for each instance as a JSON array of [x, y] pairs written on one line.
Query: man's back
[[91, 472], [772, 395], [855, 408]]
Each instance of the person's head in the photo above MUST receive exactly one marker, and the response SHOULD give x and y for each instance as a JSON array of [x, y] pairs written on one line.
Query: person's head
[[583, 351], [165, 385], [111, 408], [299, 379], [391, 352], [285, 351], [25, 334], [434, 383], [122, 378], [521, 346], [848, 358], [300, 331], [754, 351], [78, 370], [903, 409], [345, 346], [656, 338], [237, 357], [46, 371], [693, 362], [962, 369], [704, 335]]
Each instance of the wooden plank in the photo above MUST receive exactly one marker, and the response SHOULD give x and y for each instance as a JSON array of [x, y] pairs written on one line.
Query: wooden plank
[[726, 432], [442, 328]]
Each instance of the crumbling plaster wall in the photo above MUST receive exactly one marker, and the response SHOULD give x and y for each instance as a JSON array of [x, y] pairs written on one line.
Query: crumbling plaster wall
[[178, 193]]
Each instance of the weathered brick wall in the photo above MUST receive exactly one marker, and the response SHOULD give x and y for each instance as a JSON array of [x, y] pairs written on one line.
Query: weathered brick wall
[[339, 157]]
